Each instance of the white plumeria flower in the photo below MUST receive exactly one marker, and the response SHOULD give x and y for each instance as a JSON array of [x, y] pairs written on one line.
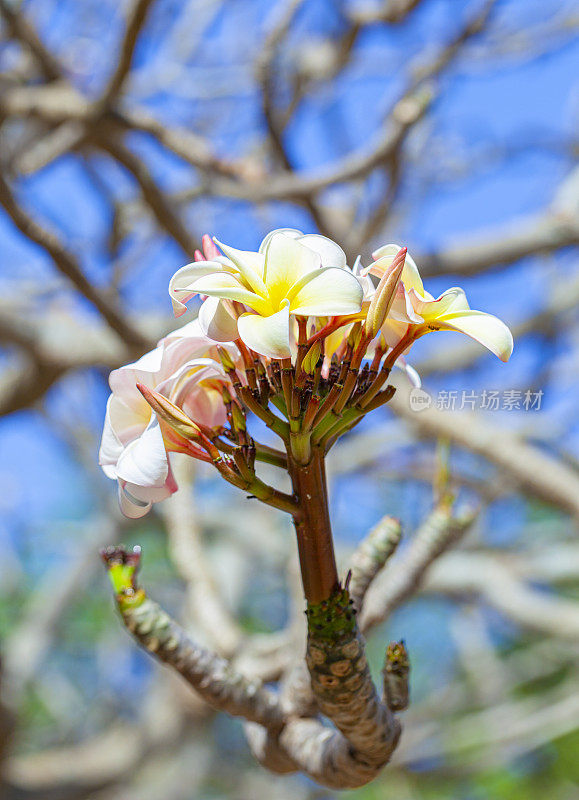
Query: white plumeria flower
[[290, 275], [416, 312], [133, 449]]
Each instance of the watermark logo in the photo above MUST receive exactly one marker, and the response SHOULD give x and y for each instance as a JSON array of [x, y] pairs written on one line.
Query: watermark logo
[[484, 400], [419, 400]]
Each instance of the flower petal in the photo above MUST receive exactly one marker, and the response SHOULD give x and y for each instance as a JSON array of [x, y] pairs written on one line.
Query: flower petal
[[216, 322], [331, 253], [293, 233], [111, 446], [250, 265], [402, 309], [268, 336], [130, 506], [144, 462], [411, 373], [327, 292], [431, 309], [181, 285], [384, 257], [286, 261], [490, 331], [228, 287]]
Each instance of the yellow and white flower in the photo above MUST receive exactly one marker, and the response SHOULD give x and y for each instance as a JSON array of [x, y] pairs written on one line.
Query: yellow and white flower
[[252, 295], [416, 312]]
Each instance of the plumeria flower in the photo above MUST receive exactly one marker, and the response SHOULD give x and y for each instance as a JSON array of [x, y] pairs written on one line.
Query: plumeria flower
[[134, 447], [416, 312], [257, 292]]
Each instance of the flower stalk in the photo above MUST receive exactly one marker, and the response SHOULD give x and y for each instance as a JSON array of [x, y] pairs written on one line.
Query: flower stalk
[[293, 337]]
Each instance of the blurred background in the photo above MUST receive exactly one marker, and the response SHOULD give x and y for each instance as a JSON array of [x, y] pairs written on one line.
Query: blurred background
[[127, 131]]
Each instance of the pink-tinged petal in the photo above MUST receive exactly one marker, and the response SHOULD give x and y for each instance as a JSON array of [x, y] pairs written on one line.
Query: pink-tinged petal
[[122, 381], [384, 257], [331, 253], [144, 462], [216, 322], [198, 256], [249, 264], [191, 330], [209, 249], [205, 406], [393, 331], [269, 336], [182, 284], [127, 421], [327, 292], [188, 376], [228, 287], [286, 261], [490, 331]]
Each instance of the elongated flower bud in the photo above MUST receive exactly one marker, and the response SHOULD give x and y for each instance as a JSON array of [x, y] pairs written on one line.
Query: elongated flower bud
[[311, 358], [170, 413], [384, 294], [226, 360], [238, 417]]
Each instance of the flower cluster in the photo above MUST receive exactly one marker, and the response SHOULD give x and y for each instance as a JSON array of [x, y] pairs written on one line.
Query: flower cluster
[[290, 334]]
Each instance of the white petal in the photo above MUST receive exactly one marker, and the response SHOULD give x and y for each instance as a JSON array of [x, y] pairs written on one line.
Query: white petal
[[293, 233], [327, 292], [216, 322], [249, 264], [128, 421], [130, 506], [191, 330], [490, 331], [286, 261], [145, 462], [111, 446], [268, 336], [122, 381], [228, 287], [402, 309], [410, 275], [331, 253], [181, 285], [411, 373], [454, 299]]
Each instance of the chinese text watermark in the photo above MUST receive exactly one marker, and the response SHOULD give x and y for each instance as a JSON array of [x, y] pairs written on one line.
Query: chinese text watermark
[[483, 399]]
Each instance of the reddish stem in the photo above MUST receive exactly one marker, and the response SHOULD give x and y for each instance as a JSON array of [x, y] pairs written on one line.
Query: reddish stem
[[313, 529]]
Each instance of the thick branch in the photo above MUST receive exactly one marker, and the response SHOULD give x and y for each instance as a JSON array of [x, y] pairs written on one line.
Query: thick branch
[[211, 677], [437, 533], [370, 557]]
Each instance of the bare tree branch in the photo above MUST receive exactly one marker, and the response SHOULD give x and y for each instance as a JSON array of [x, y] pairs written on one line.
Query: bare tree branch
[[137, 18], [68, 266]]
